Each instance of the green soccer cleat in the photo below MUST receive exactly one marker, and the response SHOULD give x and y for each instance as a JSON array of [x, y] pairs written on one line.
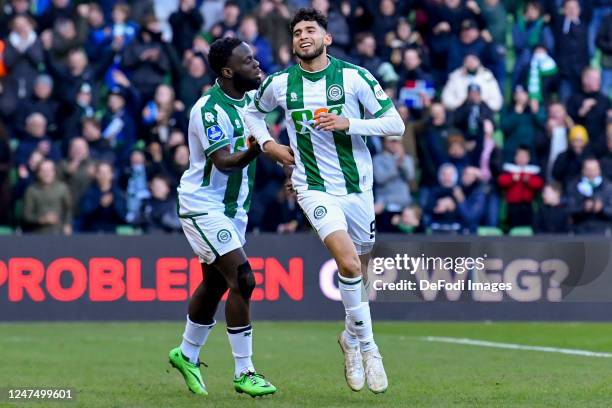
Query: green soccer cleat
[[189, 371], [253, 384]]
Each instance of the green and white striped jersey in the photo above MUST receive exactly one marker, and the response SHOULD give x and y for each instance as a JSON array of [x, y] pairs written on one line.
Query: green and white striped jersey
[[336, 162], [215, 121]]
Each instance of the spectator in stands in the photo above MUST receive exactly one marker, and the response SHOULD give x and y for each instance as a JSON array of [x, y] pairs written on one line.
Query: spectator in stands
[[385, 22], [606, 159], [444, 23], [23, 55], [186, 22], [158, 212], [123, 30], [100, 33], [273, 18], [230, 24], [569, 163], [571, 47], [5, 169], [470, 41], [147, 59], [590, 201], [496, 19], [393, 173], [77, 72], [26, 174], [432, 147], [74, 114], [47, 206], [118, 126], [77, 171], [441, 212], [542, 75], [65, 34], [134, 183], [405, 38], [36, 138], [415, 83], [365, 54], [103, 205], [455, 91], [529, 32], [283, 214], [41, 101], [470, 197], [521, 123], [604, 43], [11, 9], [161, 115], [521, 182], [475, 120], [337, 26], [179, 163], [99, 148], [553, 141], [458, 152], [57, 10], [552, 216], [250, 34], [591, 108], [193, 81]]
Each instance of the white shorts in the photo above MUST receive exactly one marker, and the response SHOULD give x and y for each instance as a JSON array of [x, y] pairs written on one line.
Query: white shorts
[[353, 213], [214, 234]]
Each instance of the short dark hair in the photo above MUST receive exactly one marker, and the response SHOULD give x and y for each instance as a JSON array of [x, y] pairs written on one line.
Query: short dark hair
[[220, 52], [308, 14], [524, 147]]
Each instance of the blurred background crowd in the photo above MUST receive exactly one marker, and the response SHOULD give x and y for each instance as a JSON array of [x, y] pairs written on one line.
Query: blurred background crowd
[[506, 103]]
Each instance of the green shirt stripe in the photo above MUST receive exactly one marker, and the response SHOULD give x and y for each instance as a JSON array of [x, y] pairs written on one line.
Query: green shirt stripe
[[251, 174], [344, 149]]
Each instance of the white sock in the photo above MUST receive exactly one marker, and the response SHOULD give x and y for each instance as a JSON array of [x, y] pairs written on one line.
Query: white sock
[[194, 338], [241, 340], [357, 311], [349, 333]]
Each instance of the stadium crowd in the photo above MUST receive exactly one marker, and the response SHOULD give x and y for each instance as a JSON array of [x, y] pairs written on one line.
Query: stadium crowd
[[506, 103]]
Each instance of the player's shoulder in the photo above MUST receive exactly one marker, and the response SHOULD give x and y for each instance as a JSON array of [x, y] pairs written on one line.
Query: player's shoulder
[[353, 70], [275, 77]]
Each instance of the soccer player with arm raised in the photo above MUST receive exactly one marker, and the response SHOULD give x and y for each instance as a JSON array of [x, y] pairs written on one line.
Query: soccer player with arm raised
[[213, 201], [325, 102]]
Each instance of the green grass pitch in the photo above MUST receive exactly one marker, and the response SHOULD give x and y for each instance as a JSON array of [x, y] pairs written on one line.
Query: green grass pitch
[[125, 365]]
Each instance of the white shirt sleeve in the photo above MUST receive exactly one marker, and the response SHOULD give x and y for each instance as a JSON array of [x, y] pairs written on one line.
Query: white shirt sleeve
[[263, 103], [212, 128], [386, 121]]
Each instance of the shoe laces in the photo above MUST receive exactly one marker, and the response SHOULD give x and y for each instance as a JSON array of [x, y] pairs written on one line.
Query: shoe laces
[[254, 376]]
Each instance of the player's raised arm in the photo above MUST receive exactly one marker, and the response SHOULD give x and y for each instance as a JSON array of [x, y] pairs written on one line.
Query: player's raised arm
[[385, 122], [254, 118]]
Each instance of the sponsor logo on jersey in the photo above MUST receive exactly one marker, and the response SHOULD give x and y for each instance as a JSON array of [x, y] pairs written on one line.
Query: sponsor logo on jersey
[[237, 122], [380, 93], [209, 117], [320, 212], [224, 236], [214, 133], [370, 76], [293, 96], [334, 92]]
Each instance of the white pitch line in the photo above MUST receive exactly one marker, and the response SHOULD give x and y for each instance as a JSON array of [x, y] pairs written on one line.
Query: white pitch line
[[511, 346]]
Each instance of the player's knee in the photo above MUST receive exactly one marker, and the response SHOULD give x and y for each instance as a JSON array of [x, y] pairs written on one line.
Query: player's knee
[[349, 266], [245, 280]]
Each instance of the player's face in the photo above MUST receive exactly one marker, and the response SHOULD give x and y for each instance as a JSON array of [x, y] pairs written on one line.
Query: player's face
[[309, 40], [245, 68]]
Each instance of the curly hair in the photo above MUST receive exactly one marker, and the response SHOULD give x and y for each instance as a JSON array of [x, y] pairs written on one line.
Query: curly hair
[[220, 52], [309, 14]]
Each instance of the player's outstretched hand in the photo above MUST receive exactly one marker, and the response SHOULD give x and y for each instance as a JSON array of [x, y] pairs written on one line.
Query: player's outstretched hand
[[330, 121]]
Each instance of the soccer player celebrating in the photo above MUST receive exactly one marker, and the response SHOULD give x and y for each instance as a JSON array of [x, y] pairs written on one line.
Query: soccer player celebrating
[[325, 102], [213, 200]]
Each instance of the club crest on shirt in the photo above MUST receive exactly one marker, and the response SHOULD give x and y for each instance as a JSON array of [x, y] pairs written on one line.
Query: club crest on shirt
[[334, 92], [214, 133], [380, 93], [320, 212], [224, 236]]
